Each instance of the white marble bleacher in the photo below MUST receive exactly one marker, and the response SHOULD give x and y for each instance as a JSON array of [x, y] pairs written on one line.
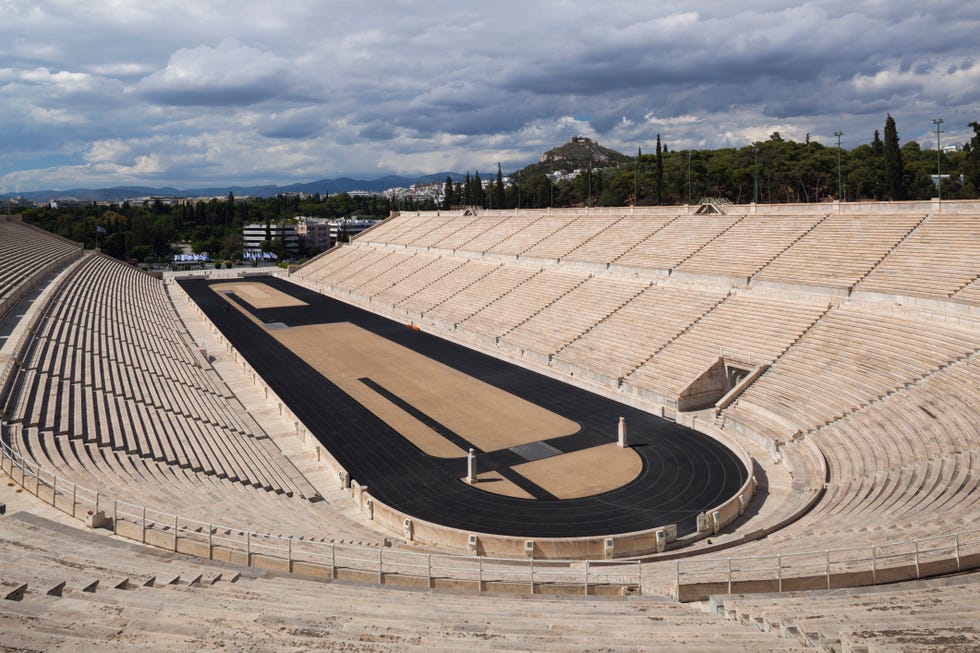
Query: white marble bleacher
[[535, 232], [749, 328], [487, 288], [439, 227], [573, 314], [434, 270], [521, 302], [413, 227], [363, 260], [839, 251], [501, 230], [939, 258], [970, 293], [106, 332], [83, 590], [470, 229], [447, 286], [935, 417], [397, 268], [676, 241], [137, 357], [617, 345], [618, 237], [26, 254], [58, 560], [577, 231], [360, 265], [915, 451], [169, 489], [930, 615], [854, 355], [751, 243], [324, 264], [392, 228]]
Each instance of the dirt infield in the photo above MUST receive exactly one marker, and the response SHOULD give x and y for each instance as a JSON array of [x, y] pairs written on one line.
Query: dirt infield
[[485, 416], [488, 418], [261, 295], [397, 408], [585, 472]]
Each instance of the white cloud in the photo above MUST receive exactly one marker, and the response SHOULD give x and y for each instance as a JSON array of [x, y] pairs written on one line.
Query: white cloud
[[230, 74], [187, 93]]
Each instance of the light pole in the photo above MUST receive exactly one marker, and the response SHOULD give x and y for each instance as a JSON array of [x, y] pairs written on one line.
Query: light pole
[[938, 122], [755, 175], [840, 185]]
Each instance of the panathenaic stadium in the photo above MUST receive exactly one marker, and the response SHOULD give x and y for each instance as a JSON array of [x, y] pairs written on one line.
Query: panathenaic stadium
[[712, 427]]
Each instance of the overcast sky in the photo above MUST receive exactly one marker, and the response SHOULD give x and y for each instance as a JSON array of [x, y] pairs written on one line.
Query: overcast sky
[[192, 93]]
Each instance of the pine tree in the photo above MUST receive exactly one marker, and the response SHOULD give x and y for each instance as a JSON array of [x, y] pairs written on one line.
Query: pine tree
[[894, 168]]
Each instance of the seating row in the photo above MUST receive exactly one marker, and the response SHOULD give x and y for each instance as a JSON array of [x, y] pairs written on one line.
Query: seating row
[[743, 327], [572, 314], [26, 255], [107, 365], [937, 615], [81, 589], [902, 253], [171, 489], [851, 357], [936, 260], [840, 251]]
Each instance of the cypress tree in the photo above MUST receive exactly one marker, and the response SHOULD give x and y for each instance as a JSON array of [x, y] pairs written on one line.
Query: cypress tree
[[973, 157], [447, 193], [876, 146], [478, 190], [660, 172], [894, 168], [498, 189]]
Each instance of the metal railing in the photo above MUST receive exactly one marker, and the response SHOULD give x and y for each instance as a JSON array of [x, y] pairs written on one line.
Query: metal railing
[[872, 564], [824, 569], [377, 564]]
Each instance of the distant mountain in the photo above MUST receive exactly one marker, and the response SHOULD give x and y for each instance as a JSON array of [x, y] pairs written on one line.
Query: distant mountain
[[322, 186], [580, 152]]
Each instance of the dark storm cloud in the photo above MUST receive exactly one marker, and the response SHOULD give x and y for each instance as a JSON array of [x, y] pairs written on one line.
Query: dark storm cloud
[[239, 91]]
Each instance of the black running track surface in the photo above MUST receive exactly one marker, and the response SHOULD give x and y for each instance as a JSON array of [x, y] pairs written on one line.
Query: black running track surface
[[684, 472]]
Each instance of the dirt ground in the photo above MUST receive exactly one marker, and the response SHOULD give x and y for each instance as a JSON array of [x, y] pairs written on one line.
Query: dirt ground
[[485, 416]]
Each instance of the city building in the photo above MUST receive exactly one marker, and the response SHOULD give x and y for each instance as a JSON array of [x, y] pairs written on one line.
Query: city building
[[254, 236], [321, 234]]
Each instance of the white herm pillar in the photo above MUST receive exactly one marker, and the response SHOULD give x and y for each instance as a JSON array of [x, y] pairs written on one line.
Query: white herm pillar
[[471, 466], [622, 433]]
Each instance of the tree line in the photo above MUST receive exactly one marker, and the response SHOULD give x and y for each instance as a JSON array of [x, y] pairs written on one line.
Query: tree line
[[146, 231], [777, 170]]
